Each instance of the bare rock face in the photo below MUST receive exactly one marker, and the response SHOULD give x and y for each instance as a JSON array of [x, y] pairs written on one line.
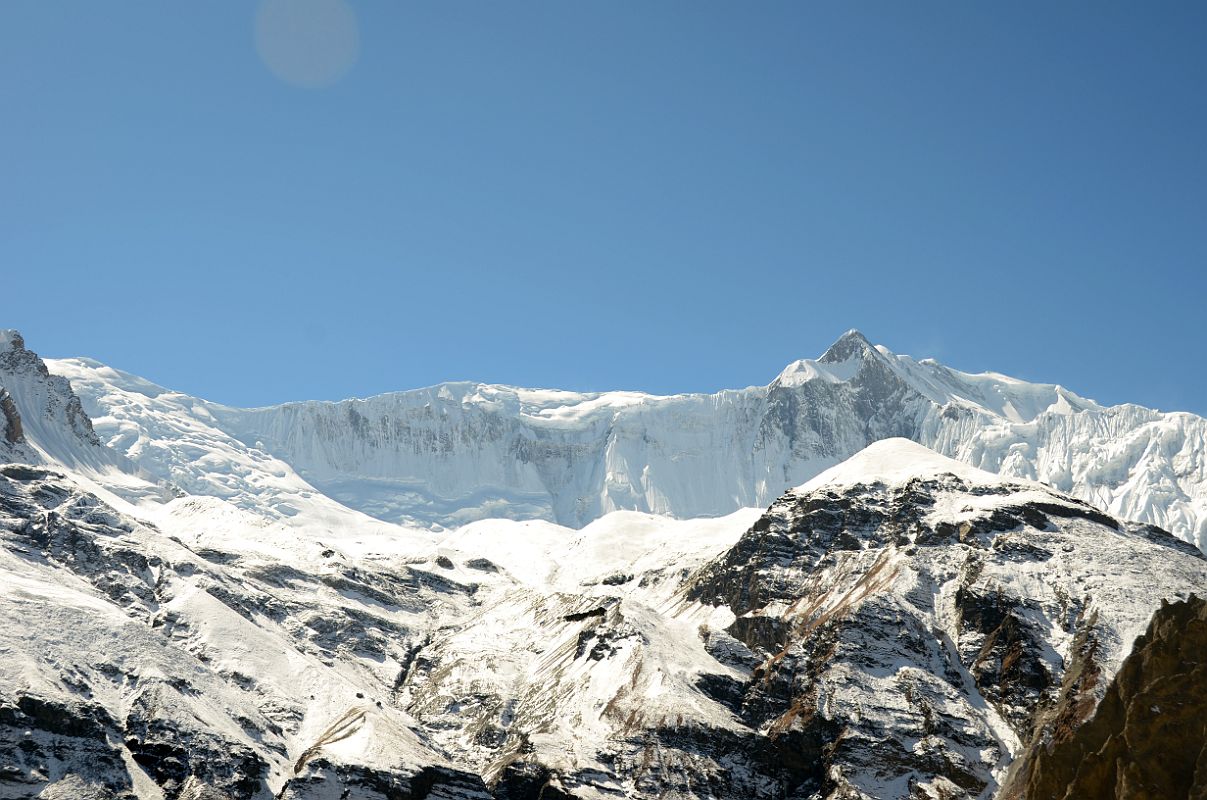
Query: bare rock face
[[41, 416], [54, 391], [12, 418], [1147, 740], [47, 742]]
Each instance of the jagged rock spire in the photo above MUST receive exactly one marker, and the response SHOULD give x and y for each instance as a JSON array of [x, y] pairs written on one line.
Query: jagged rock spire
[[850, 344]]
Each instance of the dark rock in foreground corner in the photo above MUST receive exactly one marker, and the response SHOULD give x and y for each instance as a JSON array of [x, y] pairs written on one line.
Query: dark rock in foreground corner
[[1148, 738]]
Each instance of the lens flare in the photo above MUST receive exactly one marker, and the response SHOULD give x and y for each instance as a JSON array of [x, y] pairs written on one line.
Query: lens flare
[[307, 43]]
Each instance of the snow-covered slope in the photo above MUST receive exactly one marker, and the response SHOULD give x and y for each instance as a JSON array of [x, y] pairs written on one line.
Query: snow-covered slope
[[225, 656], [901, 624], [901, 634], [43, 422], [138, 663], [457, 452]]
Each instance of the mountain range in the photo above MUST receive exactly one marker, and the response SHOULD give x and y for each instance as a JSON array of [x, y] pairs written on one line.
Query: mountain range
[[874, 577], [457, 452]]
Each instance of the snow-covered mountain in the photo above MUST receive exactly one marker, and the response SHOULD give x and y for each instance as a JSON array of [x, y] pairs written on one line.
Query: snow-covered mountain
[[186, 616], [901, 626], [457, 452]]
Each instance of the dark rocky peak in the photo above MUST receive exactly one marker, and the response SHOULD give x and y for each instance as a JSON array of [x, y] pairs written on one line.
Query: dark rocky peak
[[13, 353], [851, 344], [813, 528], [848, 361], [44, 411], [11, 418], [17, 360]]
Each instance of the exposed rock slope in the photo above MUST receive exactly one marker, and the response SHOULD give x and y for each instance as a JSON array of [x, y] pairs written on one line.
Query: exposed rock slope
[[1147, 740], [40, 412]]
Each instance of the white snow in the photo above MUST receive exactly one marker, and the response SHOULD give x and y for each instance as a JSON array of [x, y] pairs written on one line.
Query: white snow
[[895, 461], [579, 634], [448, 455]]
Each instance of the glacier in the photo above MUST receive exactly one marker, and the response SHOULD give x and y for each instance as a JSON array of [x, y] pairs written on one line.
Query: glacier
[[450, 454]]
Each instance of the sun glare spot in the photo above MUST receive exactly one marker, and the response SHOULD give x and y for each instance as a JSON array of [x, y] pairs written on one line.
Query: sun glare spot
[[307, 43]]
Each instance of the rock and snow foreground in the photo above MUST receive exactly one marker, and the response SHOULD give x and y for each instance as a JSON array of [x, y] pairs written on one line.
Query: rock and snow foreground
[[192, 618]]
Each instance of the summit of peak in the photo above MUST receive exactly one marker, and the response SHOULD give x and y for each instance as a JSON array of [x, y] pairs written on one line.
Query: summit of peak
[[840, 363], [850, 345], [896, 461], [11, 339]]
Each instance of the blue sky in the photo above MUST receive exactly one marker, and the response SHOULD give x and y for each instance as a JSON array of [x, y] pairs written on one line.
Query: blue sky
[[666, 196]]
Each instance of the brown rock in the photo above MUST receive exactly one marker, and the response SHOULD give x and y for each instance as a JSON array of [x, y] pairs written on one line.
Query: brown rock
[[1148, 738]]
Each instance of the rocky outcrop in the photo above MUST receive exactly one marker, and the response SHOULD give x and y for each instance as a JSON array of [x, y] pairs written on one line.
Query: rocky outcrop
[[48, 742], [42, 418], [12, 418], [1147, 738], [57, 396], [323, 779]]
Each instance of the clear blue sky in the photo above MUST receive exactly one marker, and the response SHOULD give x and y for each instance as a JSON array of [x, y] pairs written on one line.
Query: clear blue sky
[[665, 196]]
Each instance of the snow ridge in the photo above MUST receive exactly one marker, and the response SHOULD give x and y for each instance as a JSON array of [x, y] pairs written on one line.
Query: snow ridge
[[449, 454], [893, 462]]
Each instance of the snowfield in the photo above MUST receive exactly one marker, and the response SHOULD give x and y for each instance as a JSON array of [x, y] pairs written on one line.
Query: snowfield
[[454, 453]]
